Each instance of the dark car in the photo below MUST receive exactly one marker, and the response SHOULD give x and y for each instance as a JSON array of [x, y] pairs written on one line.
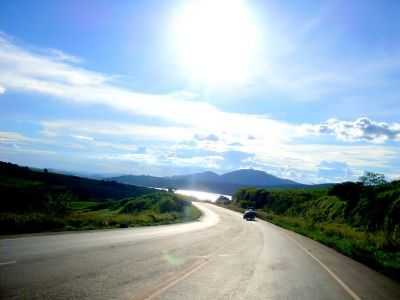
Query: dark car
[[249, 215]]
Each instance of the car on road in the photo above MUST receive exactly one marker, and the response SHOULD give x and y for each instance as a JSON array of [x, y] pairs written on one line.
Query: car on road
[[249, 215]]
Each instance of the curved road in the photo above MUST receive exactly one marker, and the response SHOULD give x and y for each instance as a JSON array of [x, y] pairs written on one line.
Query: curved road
[[219, 257]]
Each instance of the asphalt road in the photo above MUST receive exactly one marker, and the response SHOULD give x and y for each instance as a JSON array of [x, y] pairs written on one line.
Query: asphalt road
[[219, 257]]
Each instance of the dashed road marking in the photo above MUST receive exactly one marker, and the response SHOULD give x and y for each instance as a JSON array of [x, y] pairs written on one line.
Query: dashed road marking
[[176, 280], [7, 263]]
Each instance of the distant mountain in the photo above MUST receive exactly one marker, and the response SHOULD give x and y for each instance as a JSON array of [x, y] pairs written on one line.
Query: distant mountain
[[209, 181], [142, 180], [256, 178], [98, 176]]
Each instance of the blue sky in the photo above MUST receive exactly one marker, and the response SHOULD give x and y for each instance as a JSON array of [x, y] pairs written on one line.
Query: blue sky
[[306, 90]]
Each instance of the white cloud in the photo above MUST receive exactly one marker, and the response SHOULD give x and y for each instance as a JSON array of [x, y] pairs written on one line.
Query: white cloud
[[158, 158], [190, 120], [362, 129], [11, 137], [119, 142], [36, 72], [61, 56], [2, 90], [306, 160], [88, 129], [27, 71], [82, 137], [285, 159], [210, 137], [334, 170]]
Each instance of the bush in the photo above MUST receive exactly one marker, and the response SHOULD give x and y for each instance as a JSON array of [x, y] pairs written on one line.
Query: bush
[[34, 222]]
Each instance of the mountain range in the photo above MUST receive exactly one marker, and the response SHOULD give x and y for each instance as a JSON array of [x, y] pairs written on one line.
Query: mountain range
[[226, 183]]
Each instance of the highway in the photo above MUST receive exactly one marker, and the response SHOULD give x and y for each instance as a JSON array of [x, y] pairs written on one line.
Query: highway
[[219, 257]]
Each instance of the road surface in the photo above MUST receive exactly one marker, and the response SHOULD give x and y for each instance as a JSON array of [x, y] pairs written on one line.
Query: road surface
[[219, 257]]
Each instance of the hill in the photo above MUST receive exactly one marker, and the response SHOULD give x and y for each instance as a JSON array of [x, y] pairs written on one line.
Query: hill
[[35, 200], [15, 179], [208, 181], [255, 178]]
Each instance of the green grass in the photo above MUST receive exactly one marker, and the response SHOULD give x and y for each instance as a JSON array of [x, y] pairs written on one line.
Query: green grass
[[83, 205], [152, 209], [142, 211], [33, 201], [361, 221], [369, 248]]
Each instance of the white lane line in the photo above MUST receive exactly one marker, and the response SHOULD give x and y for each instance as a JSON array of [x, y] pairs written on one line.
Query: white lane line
[[330, 272], [8, 263]]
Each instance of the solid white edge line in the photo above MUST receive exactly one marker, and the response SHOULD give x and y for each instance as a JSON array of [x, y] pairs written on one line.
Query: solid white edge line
[[330, 272]]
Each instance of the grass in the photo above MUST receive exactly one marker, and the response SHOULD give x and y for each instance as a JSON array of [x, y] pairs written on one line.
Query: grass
[[82, 205], [152, 209], [368, 248], [358, 220], [34, 201], [89, 216]]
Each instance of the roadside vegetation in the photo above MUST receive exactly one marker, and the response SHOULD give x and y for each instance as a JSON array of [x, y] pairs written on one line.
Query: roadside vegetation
[[35, 201], [360, 220]]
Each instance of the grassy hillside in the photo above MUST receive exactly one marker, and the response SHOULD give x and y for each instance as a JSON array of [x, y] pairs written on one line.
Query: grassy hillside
[[17, 180], [152, 209], [33, 201], [361, 221]]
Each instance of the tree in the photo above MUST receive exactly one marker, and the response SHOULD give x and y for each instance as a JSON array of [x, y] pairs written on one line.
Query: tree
[[59, 203], [349, 192], [223, 200], [372, 179]]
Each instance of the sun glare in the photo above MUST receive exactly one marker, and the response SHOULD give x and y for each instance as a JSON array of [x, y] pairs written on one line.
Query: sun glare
[[216, 40]]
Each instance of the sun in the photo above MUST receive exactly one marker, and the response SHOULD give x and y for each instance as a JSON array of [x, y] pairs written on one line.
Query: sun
[[216, 41]]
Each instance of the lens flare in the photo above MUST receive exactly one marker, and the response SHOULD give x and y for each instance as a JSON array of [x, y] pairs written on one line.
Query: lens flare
[[216, 40]]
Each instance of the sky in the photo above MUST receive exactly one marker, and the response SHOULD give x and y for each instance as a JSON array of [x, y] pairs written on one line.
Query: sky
[[305, 90]]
